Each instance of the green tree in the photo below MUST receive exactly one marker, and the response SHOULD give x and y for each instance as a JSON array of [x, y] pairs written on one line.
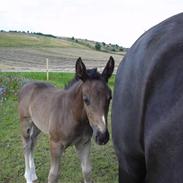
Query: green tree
[[97, 46]]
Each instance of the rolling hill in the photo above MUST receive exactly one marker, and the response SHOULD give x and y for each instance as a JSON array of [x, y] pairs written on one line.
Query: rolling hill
[[28, 52], [19, 39]]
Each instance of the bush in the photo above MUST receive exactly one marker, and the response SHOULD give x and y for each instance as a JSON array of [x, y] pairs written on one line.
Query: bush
[[10, 87], [121, 49], [97, 46], [103, 44]]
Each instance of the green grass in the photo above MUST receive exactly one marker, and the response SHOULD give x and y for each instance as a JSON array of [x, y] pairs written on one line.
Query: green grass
[[31, 40], [21, 40], [57, 78], [11, 154]]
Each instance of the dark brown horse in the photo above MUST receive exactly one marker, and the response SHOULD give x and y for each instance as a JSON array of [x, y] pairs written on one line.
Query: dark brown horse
[[147, 112], [68, 116]]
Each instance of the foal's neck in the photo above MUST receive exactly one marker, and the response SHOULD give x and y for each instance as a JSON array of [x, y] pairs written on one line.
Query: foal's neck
[[75, 94]]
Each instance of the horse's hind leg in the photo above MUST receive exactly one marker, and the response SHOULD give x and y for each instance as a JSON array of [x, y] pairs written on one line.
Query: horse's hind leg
[[83, 150], [29, 135]]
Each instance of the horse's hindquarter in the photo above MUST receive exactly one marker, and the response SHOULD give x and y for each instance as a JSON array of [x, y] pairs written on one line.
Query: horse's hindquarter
[[147, 106], [40, 107]]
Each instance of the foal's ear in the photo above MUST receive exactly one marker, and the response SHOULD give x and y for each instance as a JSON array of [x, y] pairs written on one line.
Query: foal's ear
[[108, 70], [80, 70]]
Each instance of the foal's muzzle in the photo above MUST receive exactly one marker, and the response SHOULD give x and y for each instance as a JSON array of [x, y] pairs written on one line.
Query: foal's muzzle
[[101, 138]]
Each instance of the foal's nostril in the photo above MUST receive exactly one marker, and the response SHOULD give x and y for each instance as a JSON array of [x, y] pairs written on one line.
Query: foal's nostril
[[102, 138]]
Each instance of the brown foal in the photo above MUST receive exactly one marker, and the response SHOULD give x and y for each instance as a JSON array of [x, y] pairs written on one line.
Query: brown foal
[[69, 116]]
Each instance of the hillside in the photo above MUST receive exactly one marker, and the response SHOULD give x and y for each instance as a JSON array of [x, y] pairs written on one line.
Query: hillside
[[16, 39], [19, 39], [29, 51]]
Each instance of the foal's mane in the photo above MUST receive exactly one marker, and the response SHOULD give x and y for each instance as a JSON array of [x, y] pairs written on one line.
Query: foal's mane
[[93, 74]]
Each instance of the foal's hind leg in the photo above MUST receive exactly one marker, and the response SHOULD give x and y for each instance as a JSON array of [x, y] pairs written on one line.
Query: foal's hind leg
[[83, 150], [29, 134]]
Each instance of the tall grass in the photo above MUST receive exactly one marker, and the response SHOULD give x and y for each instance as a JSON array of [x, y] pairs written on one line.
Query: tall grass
[[58, 78]]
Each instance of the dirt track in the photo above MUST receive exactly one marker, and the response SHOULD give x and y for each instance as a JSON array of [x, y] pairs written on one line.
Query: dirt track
[[60, 59]]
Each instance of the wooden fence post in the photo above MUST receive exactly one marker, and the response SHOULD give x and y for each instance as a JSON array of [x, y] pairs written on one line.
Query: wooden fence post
[[47, 70]]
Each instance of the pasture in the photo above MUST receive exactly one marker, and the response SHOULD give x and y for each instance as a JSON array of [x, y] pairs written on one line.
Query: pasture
[[11, 153], [28, 52]]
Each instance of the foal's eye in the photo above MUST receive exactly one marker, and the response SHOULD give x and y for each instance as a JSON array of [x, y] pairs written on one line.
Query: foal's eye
[[86, 100]]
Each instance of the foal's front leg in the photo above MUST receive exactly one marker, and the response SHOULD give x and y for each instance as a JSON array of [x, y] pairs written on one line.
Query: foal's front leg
[[83, 151], [56, 150]]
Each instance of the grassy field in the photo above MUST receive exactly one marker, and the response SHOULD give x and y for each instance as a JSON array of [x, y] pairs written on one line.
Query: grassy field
[[26, 39], [28, 52], [15, 39], [11, 154]]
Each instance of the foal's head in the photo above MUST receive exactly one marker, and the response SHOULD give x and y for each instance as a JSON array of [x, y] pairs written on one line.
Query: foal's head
[[96, 97]]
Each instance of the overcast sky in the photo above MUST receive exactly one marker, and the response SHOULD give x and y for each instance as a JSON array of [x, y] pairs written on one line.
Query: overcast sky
[[111, 21]]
